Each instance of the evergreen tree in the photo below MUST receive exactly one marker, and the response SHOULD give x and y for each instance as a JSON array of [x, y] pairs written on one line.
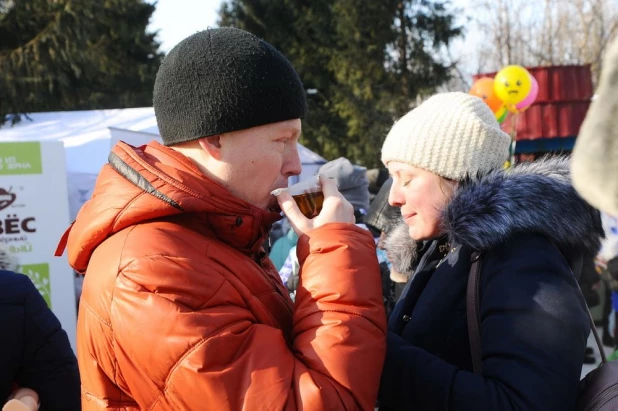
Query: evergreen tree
[[363, 63], [422, 28], [75, 54], [129, 56]]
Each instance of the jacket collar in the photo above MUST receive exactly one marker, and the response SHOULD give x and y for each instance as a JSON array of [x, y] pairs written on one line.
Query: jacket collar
[[535, 197], [155, 182]]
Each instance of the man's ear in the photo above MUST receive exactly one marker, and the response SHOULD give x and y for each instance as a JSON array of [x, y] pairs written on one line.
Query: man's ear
[[211, 145]]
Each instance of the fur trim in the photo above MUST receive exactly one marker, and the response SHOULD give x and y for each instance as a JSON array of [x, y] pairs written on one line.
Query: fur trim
[[401, 248], [534, 197]]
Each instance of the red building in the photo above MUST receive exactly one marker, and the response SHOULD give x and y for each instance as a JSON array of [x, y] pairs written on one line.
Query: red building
[[552, 123]]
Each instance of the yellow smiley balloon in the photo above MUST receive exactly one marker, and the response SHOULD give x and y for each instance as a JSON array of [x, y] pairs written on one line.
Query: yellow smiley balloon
[[512, 84]]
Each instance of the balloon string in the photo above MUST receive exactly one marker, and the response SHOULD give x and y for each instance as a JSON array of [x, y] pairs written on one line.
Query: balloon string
[[513, 136]]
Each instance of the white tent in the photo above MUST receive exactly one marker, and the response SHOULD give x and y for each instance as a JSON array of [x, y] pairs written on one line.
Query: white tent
[[85, 134], [89, 135]]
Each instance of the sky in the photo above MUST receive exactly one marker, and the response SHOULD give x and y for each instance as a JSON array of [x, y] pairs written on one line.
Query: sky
[[177, 19]]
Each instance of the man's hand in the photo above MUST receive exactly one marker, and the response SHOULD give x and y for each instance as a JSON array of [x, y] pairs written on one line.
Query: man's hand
[[336, 209]]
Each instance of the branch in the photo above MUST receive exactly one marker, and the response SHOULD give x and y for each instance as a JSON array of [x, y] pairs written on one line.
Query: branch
[[455, 66]]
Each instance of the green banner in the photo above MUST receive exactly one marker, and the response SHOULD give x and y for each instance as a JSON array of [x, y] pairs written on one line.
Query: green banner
[[20, 158], [39, 274]]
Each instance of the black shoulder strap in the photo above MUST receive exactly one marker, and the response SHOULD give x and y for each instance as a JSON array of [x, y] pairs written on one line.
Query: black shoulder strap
[[472, 312], [473, 315]]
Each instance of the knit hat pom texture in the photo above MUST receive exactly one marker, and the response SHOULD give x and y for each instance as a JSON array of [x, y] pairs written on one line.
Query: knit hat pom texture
[[223, 80], [451, 134]]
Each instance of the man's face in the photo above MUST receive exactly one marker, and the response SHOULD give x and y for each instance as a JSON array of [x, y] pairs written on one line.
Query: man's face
[[259, 160]]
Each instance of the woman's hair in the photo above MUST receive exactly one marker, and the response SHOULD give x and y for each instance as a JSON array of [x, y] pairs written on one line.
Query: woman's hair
[[451, 184], [8, 261]]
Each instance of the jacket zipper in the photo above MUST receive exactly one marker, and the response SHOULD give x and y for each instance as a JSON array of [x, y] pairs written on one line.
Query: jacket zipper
[[419, 267]]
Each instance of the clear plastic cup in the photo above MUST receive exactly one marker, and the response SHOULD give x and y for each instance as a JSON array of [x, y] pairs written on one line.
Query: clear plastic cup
[[308, 196]]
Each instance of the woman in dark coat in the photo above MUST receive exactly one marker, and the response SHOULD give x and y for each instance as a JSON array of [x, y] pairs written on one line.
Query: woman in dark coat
[[34, 350], [531, 230]]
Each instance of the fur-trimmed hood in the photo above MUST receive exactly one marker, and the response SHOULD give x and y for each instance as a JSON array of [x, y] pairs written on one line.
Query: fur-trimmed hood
[[486, 210]]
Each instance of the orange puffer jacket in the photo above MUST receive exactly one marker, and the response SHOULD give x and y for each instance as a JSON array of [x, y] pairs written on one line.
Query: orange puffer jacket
[[182, 310]]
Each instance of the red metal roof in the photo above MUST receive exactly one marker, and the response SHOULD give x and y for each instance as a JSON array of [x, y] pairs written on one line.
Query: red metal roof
[[564, 97], [548, 120]]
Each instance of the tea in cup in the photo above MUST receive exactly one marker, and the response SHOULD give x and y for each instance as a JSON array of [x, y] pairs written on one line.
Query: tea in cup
[[308, 196]]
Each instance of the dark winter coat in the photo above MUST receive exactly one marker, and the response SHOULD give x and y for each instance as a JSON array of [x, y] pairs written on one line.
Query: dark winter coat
[[34, 350], [532, 229], [588, 281]]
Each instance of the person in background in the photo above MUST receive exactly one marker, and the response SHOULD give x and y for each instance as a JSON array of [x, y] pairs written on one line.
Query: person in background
[[607, 266], [379, 219], [589, 282], [181, 307], [376, 177], [595, 167], [35, 353], [281, 248], [609, 251], [595, 155], [527, 228], [352, 183]]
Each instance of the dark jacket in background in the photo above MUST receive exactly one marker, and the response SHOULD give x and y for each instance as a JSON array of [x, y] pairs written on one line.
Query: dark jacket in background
[[534, 325], [379, 219], [588, 279], [381, 215], [34, 350]]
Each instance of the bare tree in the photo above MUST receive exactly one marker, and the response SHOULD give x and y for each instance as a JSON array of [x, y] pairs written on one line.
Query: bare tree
[[507, 28], [544, 32]]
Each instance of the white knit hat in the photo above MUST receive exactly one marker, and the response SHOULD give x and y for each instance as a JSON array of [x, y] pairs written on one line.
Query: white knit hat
[[451, 135]]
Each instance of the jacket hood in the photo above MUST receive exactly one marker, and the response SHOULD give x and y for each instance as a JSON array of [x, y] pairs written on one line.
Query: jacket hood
[[151, 182], [534, 197]]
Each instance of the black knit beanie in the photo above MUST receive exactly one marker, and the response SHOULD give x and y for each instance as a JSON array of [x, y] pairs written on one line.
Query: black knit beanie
[[222, 80]]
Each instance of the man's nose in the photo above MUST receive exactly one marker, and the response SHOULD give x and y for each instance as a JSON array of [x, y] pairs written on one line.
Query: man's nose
[[292, 165]]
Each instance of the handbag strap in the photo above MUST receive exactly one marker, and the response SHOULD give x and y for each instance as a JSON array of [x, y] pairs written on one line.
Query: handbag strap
[[595, 333], [472, 312]]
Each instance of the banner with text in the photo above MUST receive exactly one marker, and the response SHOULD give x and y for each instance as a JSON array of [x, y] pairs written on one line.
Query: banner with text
[[34, 213]]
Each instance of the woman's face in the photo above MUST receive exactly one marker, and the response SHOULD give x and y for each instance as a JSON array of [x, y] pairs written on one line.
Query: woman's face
[[422, 196]]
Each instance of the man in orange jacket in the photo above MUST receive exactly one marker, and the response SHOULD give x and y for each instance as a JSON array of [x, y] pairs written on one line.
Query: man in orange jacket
[[181, 309]]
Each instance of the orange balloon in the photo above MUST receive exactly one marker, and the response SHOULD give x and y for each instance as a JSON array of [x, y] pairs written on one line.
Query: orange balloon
[[484, 88]]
